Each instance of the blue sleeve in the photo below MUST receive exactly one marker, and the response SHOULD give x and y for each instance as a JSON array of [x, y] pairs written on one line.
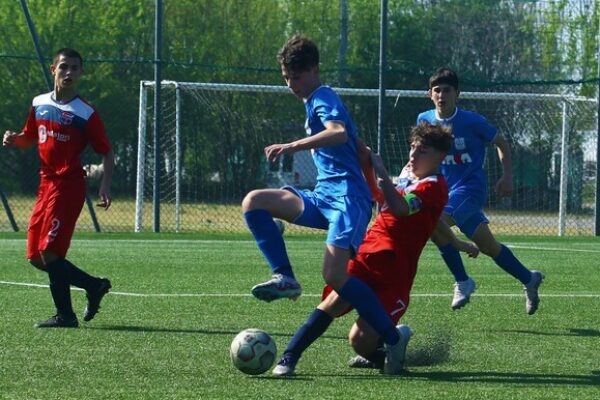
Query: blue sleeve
[[329, 107]]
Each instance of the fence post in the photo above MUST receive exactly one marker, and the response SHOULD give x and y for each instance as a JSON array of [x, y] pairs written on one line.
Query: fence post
[[141, 153], [177, 159], [564, 169], [9, 213]]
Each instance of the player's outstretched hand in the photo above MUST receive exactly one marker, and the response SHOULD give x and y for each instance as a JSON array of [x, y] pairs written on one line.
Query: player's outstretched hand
[[9, 138], [275, 150], [469, 248]]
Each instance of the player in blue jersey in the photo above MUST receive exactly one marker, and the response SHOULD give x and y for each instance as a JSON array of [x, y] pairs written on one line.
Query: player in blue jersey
[[467, 185], [340, 203]]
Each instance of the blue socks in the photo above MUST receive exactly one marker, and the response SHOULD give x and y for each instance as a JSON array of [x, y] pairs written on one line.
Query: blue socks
[[508, 262], [364, 301], [316, 324], [454, 262], [269, 241]]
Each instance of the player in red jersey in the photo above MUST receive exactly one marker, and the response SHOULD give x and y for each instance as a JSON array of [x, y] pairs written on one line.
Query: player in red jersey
[[387, 259], [63, 124]]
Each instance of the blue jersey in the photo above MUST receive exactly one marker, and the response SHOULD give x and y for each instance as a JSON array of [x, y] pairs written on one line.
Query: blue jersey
[[339, 172], [463, 166]]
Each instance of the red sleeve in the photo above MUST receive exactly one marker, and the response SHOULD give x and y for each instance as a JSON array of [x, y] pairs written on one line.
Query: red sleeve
[[431, 194], [30, 129], [97, 134]]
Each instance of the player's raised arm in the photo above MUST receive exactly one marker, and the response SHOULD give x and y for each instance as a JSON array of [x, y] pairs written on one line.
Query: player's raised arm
[[17, 140], [394, 200], [364, 158], [334, 134], [504, 186]]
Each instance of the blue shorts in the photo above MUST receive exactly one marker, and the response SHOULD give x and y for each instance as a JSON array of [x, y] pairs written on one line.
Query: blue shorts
[[466, 209], [345, 218]]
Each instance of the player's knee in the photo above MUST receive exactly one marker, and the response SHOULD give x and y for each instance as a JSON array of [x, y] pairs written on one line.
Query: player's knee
[[37, 263], [354, 339], [361, 342], [251, 201], [334, 279]]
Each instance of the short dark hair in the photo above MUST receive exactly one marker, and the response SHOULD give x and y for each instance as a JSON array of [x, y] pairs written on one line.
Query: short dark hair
[[437, 136], [444, 76], [298, 54], [67, 52]]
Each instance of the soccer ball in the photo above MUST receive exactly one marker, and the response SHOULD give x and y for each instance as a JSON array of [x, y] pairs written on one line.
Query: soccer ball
[[253, 351]]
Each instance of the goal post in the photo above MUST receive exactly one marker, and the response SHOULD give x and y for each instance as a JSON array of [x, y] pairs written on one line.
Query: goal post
[[214, 134]]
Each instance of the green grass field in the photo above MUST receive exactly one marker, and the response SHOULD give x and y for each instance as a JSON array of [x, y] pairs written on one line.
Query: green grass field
[[178, 301]]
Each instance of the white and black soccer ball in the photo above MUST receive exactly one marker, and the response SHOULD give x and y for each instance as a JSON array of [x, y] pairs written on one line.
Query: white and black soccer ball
[[253, 351]]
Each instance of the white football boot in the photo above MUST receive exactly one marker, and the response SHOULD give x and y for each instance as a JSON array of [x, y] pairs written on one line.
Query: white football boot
[[462, 293]]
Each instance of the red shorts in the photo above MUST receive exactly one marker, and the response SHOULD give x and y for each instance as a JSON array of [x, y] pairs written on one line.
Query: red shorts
[[54, 216], [389, 276]]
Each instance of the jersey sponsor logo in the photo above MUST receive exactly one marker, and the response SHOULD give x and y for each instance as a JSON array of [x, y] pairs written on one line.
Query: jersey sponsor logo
[[44, 134], [42, 113], [459, 143], [66, 118], [457, 159]]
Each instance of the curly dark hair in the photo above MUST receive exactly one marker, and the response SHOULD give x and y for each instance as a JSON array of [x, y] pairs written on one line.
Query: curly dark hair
[[437, 136], [298, 54]]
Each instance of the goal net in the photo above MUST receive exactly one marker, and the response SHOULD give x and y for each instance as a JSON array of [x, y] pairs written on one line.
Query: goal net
[[213, 136]]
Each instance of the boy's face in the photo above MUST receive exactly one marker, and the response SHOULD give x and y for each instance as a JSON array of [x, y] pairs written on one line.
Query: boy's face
[[424, 160], [66, 72], [301, 83], [444, 98]]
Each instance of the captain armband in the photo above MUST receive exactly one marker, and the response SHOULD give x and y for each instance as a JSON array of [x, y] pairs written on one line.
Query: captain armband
[[414, 203]]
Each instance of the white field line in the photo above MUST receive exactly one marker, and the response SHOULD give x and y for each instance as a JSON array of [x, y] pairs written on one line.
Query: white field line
[[295, 243], [131, 294]]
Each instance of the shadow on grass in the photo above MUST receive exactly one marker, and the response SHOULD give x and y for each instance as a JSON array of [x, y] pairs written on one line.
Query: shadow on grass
[[507, 377], [571, 332], [513, 378]]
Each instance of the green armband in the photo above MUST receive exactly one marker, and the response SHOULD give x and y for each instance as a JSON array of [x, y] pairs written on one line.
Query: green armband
[[414, 203]]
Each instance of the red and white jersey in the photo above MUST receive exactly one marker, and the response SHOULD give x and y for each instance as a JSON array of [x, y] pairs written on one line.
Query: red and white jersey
[[62, 131], [407, 235]]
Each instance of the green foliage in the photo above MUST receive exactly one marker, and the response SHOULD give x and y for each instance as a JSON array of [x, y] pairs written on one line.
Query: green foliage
[[515, 43]]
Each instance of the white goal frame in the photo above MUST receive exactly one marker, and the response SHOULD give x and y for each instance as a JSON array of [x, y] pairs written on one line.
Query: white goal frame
[[565, 100]]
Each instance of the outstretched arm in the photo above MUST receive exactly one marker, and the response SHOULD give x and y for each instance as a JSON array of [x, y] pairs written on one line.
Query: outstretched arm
[[364, 158], [444, 234], [395, 201], [17, 140], [504, 186], [334, 134], [108, 162]]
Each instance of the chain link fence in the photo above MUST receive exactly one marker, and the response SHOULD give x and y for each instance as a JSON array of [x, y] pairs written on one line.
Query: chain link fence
[[529, 47]]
